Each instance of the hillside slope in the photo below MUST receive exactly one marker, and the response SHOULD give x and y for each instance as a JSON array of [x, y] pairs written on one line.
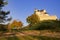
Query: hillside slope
[[32, 35]]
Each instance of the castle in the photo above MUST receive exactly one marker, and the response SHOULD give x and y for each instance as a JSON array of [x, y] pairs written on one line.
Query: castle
[[42, 14]]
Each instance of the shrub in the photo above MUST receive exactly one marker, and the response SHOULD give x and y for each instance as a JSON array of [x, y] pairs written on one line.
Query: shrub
[[49, 24]]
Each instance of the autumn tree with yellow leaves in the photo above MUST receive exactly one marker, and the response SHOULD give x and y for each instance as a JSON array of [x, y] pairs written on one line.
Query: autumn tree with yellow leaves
[[15, 25], [33, 19]]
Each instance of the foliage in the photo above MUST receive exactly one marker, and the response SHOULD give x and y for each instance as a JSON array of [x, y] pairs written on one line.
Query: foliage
[[46, 25], [16, 24], [33, 19], [3, 15], [3, 27]]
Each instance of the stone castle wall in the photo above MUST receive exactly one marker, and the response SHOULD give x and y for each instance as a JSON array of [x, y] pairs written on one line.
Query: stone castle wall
[[43, 16]]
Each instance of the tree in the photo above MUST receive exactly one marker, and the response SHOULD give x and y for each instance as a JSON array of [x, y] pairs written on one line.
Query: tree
[[33, 19], [3, 15], [16, 24]]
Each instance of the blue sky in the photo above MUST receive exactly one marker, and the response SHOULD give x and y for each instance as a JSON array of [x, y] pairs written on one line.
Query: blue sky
[[21, 9]]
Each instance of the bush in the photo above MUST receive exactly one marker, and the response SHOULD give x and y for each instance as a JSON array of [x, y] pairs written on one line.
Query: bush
[[3, 27], [49, 24]]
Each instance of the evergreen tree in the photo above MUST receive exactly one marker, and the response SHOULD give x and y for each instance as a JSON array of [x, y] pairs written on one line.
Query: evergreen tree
[[3, 15]]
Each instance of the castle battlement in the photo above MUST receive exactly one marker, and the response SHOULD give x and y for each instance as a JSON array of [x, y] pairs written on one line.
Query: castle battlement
[[43, 15]]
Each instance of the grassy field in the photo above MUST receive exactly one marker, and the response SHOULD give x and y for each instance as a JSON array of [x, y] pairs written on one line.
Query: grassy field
[[30, 35], [29, 38]]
